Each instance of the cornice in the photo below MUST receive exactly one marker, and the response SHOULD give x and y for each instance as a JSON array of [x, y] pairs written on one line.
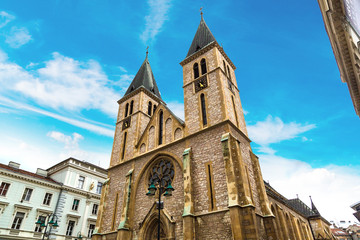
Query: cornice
[[204, 50], [82, 192], [30, 179], [81, 168], [140, 89]]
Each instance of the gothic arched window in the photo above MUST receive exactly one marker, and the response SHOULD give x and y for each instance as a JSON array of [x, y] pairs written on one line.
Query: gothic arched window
[[161, 123], [203, 66], [229, 74], [149, 108], [154, 108], [196, 70], [131, 107], [124, 145], [126, 109], [224, 67], [203, 109]]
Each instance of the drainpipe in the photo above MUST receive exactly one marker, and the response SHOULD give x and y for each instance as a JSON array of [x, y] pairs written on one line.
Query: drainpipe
[[56, 206]]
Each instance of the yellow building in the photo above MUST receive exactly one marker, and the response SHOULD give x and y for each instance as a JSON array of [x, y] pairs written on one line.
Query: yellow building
[[342, 23], [219, 190]]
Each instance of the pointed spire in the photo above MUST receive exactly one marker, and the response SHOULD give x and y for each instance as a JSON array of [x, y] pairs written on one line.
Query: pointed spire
[[203, 37], [313, 208], [144, 78]]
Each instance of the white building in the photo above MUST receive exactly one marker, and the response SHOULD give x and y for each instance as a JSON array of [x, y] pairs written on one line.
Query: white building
[[70, 190]]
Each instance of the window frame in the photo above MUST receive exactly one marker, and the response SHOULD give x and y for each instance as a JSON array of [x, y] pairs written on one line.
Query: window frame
[[97, 187], [46, 200], [96, 207], [75, 205], [81, 182], [203, 66], [91, 229], [16, 225], [4, 189], [26, 195], [72, 225]]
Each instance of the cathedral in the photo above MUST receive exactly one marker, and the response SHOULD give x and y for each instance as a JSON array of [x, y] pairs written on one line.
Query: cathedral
[[203, 168]]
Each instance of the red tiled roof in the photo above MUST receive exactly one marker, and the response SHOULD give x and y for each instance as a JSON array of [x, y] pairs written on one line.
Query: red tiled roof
[[30, 174]]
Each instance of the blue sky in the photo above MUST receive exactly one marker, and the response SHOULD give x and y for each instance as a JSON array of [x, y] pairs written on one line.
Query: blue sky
[[64, 64]]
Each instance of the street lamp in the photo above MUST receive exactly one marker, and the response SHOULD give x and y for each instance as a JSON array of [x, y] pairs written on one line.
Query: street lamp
[[167, 191], [52, 223], [79, 236]]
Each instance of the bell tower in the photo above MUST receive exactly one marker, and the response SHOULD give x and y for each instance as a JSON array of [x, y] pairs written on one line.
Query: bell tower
[[209, 81], [135, 110]]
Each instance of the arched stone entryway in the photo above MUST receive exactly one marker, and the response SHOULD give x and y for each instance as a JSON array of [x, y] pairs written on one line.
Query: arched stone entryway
[[149, 227]]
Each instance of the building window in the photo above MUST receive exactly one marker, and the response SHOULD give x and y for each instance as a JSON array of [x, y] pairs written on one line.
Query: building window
[[203, 66], [47, 199], [224, 67], [203, 109], [81, 182], [149, 108], [229, 74], [154, 108], [27, 194], [18, 220], [131, 107], [70, 228], [161, 120], [210, 186], [99, 187], [124, 145], [75, 205], [235, 113], [196, 70], [38, 227], [126, 109], [4, 188], [95, 209], [91, 230]]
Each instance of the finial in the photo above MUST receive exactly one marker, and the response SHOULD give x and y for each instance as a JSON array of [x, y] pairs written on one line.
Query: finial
[[147, 51], [297, 196], [201, 12]]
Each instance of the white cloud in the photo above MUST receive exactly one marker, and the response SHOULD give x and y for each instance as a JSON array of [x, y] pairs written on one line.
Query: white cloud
[[32, 154], [93, 126], [274, 130], [155, 19], [5, 18], [177, 108], [70, 142], [17, 37], [333, 188], [65, 83]]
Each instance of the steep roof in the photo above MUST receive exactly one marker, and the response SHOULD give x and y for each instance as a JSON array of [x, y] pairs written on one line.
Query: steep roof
[[301, 207], [203, 37], [144, 78]]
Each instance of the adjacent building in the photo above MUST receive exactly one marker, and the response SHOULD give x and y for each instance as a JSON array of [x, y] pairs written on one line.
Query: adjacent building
[[356, 207], [342, 23], [70, 190], [219, 190]]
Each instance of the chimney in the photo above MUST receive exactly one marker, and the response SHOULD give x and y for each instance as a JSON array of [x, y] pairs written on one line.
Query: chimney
[[41, 172], [14, 165]]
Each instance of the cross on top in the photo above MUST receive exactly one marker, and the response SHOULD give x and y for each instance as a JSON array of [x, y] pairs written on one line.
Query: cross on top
[[201, 11], [147, 51]]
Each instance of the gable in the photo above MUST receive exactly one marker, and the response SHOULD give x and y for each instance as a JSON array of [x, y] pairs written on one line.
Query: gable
[[173, 129]]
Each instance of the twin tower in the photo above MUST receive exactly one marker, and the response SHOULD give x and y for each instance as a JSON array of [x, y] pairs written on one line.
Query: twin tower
[[219, 191]]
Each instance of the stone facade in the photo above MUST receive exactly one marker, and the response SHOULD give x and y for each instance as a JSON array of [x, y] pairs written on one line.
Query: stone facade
[[219, 190]]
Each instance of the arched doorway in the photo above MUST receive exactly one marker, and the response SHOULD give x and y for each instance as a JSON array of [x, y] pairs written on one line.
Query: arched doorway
[[149, 227], [152, 231]]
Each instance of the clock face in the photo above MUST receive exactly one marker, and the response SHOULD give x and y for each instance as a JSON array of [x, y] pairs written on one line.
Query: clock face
[[126, 123], [200, 84]]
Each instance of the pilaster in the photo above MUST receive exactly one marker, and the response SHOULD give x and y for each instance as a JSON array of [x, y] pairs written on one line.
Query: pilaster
[[188, 215]]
